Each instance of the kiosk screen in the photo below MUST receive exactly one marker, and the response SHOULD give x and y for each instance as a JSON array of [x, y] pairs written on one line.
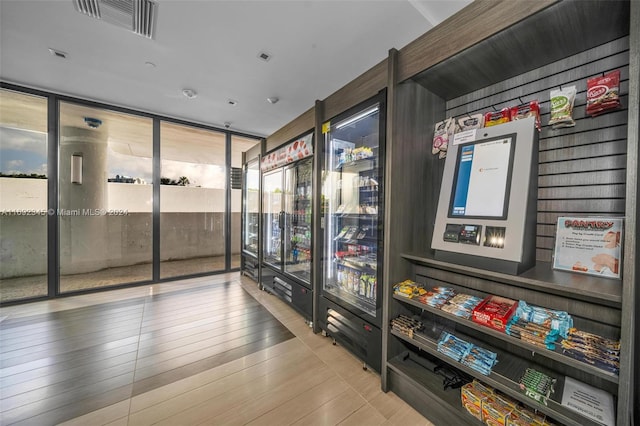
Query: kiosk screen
[[482, 179]]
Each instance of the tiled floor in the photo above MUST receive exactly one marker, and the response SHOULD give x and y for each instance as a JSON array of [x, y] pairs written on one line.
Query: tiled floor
[[288, 376]]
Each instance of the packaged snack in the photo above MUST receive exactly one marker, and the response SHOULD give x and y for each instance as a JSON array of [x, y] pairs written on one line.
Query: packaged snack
[[603, 93], [562, 107], [406, 325], [494, 412], [469, 122], [442, 134], [494, 312], [452, 346], [531, 109], [472, 398], [498, 117], [537, 385]]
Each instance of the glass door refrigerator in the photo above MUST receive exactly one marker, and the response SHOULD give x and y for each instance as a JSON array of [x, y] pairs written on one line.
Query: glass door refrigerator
[[287, 237], [251, 218], [349, 307]]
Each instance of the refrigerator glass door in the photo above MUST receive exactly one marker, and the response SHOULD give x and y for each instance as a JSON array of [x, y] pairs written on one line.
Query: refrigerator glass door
[[298, 221], [251, 199], [273, 217], [351, 211]]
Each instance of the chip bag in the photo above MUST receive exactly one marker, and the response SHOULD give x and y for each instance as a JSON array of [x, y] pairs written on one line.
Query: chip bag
[[562, 107], [603, 93]]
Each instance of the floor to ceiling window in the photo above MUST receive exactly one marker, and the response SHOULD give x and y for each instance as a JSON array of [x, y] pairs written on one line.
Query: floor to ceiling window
[[77, 187], [23, 196], [106, 198], [239, 145], [192, 200]]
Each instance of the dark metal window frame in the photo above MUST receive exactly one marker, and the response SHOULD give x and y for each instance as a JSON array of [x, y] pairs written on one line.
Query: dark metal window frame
[[53, 227]]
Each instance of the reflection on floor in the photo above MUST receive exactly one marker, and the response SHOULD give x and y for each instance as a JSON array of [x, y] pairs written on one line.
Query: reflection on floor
[[36, 285], [203, 351]]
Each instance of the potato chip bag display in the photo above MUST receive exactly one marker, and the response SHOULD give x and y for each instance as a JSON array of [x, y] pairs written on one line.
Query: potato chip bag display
[[498, 117], [469, 122], [562, 107], [531, 109], [603, 93], [441, 136]]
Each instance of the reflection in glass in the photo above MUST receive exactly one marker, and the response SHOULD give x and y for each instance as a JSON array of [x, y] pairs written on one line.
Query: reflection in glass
[[106, 216], [23, 196], [252, 208], [192, 200], [273, 217], [238, 146]]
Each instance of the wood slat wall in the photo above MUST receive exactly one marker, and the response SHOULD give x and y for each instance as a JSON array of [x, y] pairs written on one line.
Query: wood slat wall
[[304, 122], [582, 169]]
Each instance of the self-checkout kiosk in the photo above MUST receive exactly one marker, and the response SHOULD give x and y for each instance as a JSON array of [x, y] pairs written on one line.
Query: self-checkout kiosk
[[486, 215]]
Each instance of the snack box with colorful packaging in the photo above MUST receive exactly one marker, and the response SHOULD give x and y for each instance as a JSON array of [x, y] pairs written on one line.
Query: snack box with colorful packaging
[[495, 412], [472, 395], [494, 312], [524, 417]]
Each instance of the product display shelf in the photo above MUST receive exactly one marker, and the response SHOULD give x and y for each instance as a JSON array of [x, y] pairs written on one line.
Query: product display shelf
[[363, 266], [535, 350], [542, 277], [504, 376], [418, 373]]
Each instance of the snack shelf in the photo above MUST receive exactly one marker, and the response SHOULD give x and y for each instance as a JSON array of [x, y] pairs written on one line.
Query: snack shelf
[[542, 277], [535, 350], [368, 267], [364, 303], [356, 163], [427, 386], [504, 375]]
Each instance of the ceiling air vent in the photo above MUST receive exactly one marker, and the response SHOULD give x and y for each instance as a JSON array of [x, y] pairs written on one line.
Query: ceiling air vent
[[138, 16]]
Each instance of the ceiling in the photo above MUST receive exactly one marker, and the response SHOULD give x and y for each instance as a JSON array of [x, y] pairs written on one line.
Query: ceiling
[[211, 47]]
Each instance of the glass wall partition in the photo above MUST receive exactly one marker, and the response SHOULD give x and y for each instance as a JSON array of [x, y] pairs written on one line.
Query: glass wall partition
[[192, 200], [23, 196], [105, 198], [238, 146]]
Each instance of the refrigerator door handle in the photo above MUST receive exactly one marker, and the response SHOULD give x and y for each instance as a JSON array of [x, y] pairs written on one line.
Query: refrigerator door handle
[[281, 220]]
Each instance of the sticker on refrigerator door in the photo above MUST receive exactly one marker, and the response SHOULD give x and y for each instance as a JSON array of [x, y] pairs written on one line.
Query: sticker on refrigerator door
[[325, 127]]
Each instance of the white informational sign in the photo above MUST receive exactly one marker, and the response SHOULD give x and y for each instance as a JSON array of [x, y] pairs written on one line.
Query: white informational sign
[[591, 402], [589, 245], [465, 136]]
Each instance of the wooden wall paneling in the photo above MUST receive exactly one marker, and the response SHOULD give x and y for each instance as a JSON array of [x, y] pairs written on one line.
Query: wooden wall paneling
[[296, 127], [575, 164], [549, 35], [461, 31], [629, 398], [391, 233], [359, 90]]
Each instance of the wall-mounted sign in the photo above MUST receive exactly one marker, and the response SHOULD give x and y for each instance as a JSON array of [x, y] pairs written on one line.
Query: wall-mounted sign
[[589, 245], [296, 150]]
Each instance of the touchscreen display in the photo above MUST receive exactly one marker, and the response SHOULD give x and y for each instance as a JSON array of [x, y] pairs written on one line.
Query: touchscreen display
[[483, 178]]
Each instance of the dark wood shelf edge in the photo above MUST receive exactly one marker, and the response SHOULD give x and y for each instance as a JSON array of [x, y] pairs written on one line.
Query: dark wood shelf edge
[[543, 278], [538, 350], [504, 384]]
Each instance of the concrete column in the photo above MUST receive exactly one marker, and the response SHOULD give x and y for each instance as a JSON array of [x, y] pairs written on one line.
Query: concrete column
[[83, 229]]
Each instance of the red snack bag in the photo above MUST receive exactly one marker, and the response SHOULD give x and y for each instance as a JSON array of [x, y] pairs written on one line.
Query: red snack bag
[[498, 117], [532, 109], [603, 93]]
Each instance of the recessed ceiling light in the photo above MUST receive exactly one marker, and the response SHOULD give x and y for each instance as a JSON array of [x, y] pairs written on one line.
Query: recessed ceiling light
[[264, 56], [232, 102], [273, 99], [189, 93], [58, 53]]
